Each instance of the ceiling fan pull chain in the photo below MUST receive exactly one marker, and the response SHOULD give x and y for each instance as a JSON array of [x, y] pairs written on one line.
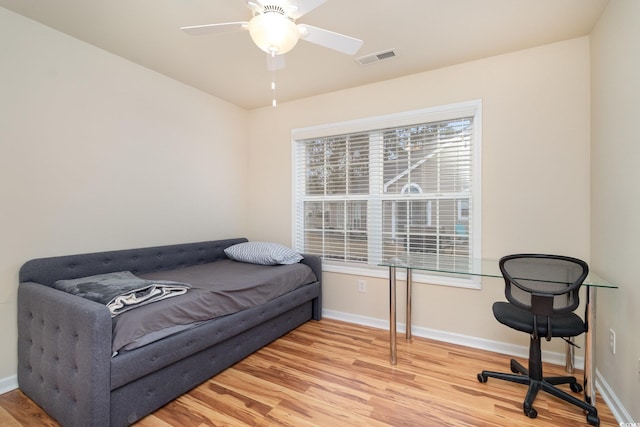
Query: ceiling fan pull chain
[[273, 80]]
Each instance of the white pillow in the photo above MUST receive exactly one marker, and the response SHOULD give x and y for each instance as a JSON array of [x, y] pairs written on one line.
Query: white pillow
[[264, 253]]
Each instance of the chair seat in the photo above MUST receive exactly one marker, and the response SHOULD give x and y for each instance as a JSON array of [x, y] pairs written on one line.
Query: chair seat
[[568, 325]]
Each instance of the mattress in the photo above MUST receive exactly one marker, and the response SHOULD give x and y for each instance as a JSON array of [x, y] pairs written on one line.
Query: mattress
[[217, 289]]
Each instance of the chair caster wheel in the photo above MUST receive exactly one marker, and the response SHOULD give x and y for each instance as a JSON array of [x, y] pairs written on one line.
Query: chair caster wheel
[[482, 378], [530, 412], [593, 420], [575, 387]]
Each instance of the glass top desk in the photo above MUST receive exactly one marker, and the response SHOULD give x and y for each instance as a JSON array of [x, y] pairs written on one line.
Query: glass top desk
[[450, 265]]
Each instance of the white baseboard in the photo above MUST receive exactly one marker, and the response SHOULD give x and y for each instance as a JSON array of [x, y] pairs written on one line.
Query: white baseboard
[[9, 383], [618, 410]]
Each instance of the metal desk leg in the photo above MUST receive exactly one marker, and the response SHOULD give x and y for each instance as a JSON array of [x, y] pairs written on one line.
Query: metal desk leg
[[589, 341], [392, 313], [409, 286]]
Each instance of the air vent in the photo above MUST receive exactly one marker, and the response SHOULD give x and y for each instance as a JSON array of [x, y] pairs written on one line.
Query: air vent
[[376, 57]]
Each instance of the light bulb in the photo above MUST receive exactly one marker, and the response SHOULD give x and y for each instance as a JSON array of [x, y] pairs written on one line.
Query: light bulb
[[273, 32]]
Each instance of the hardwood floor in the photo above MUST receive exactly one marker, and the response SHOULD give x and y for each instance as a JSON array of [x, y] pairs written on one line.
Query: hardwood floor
[[331, 373]]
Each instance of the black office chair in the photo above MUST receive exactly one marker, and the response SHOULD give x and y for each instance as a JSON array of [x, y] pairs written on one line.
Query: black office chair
[[542, 291]]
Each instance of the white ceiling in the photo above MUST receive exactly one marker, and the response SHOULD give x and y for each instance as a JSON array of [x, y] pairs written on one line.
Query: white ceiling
[[426, 34]]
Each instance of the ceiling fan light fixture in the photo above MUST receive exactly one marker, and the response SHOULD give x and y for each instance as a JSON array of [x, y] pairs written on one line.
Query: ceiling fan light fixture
[[273, 32]]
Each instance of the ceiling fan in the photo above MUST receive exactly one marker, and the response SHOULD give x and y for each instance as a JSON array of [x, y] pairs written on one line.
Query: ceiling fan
[[274, 30]]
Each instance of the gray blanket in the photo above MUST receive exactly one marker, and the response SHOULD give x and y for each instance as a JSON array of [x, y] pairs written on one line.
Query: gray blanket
[[121, 291], [217, 289]]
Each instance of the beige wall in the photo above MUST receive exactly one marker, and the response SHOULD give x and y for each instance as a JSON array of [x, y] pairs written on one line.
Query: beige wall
[[97, 153], [535, 179], [615, 204]]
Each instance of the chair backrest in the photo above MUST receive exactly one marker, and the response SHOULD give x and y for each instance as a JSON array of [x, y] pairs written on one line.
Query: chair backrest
[[545, 285]]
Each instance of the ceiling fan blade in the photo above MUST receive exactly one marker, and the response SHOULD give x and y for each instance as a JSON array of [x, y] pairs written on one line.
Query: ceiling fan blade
[[197, 30], [275, 62], [255, 5], [340, 42], [303, 7]]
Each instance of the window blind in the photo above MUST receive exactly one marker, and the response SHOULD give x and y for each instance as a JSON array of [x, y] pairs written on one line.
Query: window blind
[[376, 193]]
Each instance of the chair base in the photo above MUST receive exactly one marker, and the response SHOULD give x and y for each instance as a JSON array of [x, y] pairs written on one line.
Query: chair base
[[536, 383]]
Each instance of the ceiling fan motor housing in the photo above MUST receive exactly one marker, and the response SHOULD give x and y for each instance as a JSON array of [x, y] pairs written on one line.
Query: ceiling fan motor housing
[[274, 8]]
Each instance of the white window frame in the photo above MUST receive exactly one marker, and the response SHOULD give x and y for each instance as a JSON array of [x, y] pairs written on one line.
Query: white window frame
[[426, 115]]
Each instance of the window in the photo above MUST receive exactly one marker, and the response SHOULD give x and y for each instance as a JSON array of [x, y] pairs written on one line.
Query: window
[[371, 189]]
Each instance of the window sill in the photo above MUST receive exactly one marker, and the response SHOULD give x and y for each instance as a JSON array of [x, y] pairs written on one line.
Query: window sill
[[453, 280]]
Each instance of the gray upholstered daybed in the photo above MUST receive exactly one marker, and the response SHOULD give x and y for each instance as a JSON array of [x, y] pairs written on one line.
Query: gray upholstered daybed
[[66, 358]]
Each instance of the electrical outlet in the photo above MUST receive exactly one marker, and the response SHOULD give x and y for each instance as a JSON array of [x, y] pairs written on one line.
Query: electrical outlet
[[362, 285], [612, 341]]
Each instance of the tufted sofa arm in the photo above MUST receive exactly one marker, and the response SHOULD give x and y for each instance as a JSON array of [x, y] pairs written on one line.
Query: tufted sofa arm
[[64, 352]]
